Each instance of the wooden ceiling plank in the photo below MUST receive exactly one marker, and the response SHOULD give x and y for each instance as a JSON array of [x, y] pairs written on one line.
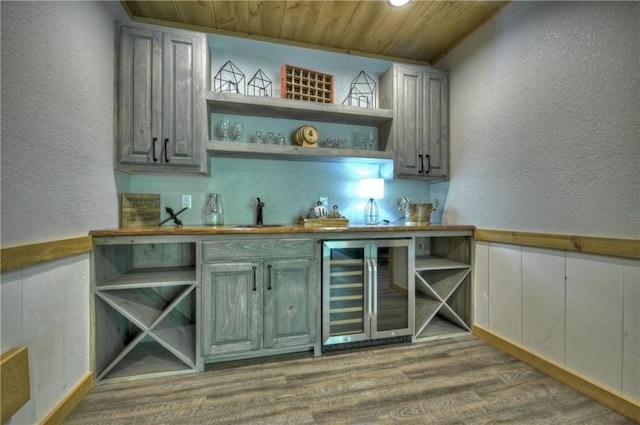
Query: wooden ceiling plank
[[398, 24], [456, 24], [418, 40], [366, 18], [266, 17], [440, 26], [305, 28], [332, 22], [422, 32], [196, 13], [299, 20], [489, 11], [231, 15], [160, 10]]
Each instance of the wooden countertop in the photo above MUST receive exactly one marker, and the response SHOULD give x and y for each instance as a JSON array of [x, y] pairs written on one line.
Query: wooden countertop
[[239, 229]]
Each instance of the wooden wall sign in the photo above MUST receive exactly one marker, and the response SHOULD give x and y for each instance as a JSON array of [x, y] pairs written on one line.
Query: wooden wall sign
[[140, 209]]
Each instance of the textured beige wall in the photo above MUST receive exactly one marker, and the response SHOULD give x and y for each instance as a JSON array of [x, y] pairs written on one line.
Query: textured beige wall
[[545, 120], [57, 119]]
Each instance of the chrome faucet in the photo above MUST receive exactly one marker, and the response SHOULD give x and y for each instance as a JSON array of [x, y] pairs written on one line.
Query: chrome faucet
[[259, 208]]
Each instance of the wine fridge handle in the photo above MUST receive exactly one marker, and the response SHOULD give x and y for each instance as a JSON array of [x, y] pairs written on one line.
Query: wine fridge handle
[[374, 287], [369, 288]]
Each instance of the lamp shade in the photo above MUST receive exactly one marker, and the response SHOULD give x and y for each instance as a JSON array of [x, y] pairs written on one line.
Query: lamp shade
[[372, 188]]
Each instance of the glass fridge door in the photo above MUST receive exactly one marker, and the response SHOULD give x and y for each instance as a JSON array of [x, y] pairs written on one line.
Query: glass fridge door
[[345, 293], [392, 312], [366, 290]]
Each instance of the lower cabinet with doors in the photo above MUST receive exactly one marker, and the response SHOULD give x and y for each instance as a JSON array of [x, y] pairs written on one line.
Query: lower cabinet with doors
[[168, 304], [260, 296]]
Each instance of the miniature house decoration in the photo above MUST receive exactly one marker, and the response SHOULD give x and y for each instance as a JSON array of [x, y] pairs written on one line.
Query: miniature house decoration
[[260, 85], [362, 92], [229, 79]]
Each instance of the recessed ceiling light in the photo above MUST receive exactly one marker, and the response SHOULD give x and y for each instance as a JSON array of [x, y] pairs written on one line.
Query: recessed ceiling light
[[398, 3]]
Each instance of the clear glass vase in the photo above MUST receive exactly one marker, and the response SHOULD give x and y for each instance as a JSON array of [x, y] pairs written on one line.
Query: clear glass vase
[[213, 212]]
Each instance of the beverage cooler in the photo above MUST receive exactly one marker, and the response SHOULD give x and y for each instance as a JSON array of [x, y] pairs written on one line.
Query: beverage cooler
[[367, 290]]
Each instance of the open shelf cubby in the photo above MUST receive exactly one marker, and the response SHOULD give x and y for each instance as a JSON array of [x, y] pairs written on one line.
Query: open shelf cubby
[[442, 287], [145, 305]]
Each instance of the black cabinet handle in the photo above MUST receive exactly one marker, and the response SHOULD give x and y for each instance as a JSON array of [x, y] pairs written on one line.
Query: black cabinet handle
[[428, 164], [153, 148], [166, 155], [269, 277], [421, 164], [254, 279]]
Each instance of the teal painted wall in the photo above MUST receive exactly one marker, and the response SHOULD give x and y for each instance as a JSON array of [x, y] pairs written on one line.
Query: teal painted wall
[[289, 188]]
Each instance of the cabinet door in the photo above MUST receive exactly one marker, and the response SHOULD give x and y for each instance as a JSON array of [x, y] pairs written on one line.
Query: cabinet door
[[183, 100], [232, 309], [291, 300], [409, 126], [436, 124], [140, 95]]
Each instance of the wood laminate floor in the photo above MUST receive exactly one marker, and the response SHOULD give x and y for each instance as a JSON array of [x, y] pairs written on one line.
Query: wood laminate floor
[[453, 381]]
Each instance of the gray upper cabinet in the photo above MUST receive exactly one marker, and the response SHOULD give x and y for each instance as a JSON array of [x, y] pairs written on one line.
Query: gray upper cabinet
[[162, 109], [419, 134]]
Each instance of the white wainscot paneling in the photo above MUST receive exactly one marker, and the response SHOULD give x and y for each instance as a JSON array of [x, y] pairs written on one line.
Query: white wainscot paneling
[[543, 299], [631, 342], [481, 285], [594, 317], [505, 291], [76, 321], [54, 319]]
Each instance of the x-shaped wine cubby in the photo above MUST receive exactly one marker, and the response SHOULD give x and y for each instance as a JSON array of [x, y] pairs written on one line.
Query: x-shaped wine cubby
[[145, 306], [442, 287]]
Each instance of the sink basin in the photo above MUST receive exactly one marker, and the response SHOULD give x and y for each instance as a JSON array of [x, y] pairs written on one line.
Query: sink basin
[[257, 226]]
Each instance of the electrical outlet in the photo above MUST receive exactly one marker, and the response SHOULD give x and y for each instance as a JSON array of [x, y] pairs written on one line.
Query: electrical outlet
[[186, 201], [325, 202]]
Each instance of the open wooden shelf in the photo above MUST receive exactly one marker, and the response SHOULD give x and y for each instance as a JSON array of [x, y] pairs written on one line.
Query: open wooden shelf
[[270, 107]]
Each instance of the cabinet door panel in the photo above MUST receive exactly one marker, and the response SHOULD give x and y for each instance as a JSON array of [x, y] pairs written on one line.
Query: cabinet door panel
[[140, 95], [182, 99], [290, 303], [409, 125], [436, 124], [231, 307]]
